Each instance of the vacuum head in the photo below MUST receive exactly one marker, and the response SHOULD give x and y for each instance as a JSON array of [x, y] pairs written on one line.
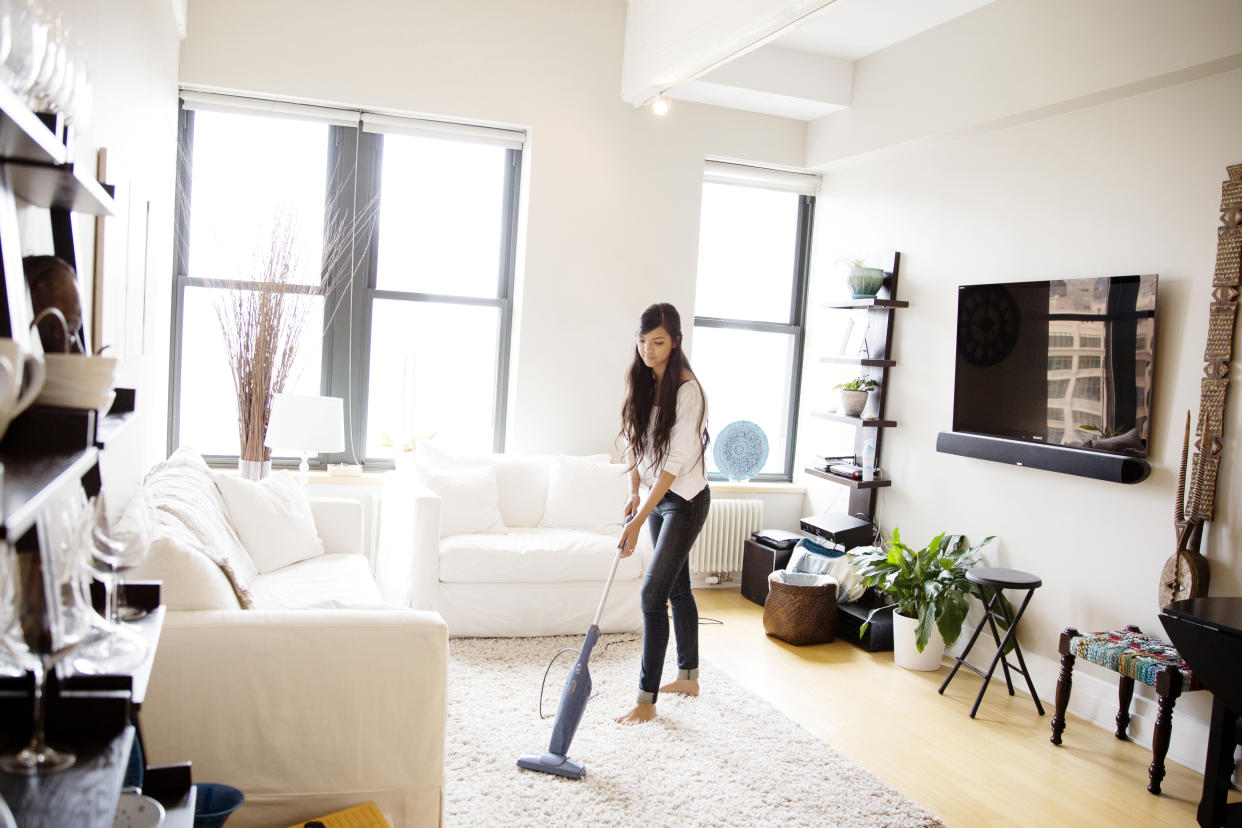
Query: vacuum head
[[554, 763]]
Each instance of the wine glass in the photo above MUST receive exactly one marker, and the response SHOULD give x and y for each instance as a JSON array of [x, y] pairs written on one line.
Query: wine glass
[[31, 634], [109, 552], [29, 42]]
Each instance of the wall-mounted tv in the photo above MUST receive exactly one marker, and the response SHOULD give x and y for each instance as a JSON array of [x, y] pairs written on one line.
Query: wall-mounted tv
[[1064, 363]]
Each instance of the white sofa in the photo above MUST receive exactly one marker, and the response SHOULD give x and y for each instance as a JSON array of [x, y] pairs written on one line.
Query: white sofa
[[509, 545], [312, 697]]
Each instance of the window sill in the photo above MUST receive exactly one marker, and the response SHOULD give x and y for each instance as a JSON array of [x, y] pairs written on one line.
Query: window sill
[[725, 487]]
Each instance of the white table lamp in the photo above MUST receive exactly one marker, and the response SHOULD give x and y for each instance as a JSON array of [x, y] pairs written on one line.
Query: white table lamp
[[307, 425]]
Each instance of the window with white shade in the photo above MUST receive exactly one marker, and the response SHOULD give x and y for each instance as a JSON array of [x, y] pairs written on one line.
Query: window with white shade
[[410, 327], [750, 301]]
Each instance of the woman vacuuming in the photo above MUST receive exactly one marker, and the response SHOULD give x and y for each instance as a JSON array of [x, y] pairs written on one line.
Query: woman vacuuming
[[664, 429]]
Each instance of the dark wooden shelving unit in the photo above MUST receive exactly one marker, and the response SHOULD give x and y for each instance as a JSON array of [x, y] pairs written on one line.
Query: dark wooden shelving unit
[[45, 452], [59, 186], [861, 422], [855, 304], [864, 362], [878, 343], [879, 482]]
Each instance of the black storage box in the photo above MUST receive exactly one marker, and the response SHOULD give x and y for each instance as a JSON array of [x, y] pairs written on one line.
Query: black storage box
[[879, 634], [758, 562]]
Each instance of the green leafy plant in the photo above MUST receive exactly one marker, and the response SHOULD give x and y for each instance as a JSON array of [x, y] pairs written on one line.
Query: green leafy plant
[[928, 584], [857, 384], [403, 442]]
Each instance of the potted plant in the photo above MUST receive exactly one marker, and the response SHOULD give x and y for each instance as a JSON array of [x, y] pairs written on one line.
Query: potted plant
[[930, 590], [403, 446], [264, 314], [854, 394], [865, 282]]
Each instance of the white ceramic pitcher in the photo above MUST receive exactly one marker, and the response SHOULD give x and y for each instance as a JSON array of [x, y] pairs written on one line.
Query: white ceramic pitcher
[[21, 379]]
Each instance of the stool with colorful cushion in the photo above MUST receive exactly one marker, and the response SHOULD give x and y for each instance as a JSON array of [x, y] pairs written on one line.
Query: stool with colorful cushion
[[1134, 655]]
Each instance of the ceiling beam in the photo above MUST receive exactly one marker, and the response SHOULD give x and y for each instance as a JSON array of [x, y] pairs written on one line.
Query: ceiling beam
[[668, 42]]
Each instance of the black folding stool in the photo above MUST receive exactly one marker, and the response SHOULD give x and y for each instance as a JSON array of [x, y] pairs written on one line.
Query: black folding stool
[[992, 581]]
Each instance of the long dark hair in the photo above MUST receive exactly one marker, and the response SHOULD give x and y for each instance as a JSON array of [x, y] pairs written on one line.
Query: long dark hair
[[642, 396]]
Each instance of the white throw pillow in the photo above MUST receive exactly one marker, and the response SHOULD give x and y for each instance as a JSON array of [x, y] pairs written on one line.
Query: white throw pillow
[[469, 500], [585, 494], [272, 517]]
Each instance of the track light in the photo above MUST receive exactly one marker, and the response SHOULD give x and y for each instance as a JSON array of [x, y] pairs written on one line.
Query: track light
[[660, 105]]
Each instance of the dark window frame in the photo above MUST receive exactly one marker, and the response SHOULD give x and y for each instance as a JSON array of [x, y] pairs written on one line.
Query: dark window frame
[[354, 168], [795, 327]]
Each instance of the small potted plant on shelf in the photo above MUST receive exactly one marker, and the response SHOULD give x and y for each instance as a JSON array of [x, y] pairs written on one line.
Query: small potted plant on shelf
[[865, 282], [403, 445], [930, 590], [854, 394]]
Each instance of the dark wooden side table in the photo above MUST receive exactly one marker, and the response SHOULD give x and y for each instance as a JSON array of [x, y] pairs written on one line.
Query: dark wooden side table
[[1208, 634]]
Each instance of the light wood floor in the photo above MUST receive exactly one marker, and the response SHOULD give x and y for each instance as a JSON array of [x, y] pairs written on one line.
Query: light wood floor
[[999, 769]]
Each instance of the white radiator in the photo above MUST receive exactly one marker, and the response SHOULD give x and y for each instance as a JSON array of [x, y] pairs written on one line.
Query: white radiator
[[729, 523]]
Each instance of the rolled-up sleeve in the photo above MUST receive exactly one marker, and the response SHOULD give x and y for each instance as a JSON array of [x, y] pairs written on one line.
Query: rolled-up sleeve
[[685, 444]]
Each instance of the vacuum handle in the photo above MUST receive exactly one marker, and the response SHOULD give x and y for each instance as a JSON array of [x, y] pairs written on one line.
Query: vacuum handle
[[616, 559]]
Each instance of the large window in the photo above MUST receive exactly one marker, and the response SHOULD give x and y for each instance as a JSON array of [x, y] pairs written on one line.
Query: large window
[[750, 305], [410, 324]]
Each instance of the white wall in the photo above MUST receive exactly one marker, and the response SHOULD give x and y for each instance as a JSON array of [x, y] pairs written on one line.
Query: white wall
[[612, 193], [1126, 182]]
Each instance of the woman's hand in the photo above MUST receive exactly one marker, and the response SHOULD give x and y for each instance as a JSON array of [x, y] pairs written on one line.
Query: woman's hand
[[629, 537], [631, 507]]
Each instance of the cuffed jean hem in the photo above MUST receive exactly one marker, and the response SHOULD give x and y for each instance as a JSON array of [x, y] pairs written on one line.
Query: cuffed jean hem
[[645, 697]]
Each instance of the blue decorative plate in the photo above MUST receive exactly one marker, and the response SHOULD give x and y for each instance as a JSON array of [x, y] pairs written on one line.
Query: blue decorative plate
[[741, 450]]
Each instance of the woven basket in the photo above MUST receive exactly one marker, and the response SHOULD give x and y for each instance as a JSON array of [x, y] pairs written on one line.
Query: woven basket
[[800, 614]]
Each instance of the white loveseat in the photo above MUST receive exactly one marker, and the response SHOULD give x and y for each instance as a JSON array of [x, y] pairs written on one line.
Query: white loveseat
[[296, 685], [509, 545]]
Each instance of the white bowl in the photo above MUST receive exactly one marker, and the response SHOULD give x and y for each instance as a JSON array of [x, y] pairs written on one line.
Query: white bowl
[[138, 811], [76, 364]]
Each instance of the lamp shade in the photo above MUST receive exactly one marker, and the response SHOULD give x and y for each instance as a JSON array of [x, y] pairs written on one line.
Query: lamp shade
[[306, 424]]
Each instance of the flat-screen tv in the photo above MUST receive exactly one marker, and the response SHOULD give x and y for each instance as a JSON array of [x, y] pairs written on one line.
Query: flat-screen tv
[[1066, 362]]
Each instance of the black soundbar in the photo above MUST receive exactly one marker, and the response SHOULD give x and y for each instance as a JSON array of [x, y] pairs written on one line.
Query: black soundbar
[[1112, 467]]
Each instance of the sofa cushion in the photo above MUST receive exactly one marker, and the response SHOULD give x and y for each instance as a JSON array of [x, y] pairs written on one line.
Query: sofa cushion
[[584, 494], [190, 579], [533, 555], [468, 499], [272, 517], [521, 479], [189, 509], [340, 578]]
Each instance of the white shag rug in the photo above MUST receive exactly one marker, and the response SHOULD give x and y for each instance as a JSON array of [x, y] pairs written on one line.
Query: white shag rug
[[724, 758]]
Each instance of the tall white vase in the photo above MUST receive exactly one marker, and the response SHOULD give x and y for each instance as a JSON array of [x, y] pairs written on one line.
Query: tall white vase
[[906, 654], [253, 469]]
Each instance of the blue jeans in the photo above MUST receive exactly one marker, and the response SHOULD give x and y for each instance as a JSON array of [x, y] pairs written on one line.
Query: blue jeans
[[674, 525]]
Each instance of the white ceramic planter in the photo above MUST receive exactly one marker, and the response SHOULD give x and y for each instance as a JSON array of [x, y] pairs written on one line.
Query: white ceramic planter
[[906, 654], [853, 402]]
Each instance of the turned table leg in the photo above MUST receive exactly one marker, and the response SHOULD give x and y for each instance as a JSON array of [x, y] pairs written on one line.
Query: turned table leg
[[1168, 688], [1064, 684]]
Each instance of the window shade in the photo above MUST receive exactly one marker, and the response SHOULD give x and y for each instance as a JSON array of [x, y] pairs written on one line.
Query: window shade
[[401, 125], [261, 106], [747, 175]]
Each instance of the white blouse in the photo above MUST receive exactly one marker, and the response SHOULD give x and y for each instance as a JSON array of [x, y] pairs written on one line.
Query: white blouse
[[685, 445]]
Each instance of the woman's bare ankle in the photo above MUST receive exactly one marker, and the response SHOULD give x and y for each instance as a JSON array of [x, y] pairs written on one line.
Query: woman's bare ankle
[[642, 712], [687, 687]]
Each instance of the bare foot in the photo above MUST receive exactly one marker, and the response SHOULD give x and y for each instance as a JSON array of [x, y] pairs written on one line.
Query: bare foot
[[687, 687], [642, 712]]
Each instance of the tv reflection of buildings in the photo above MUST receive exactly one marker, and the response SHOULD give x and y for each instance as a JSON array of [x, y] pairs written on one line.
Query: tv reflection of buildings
[[1080, 398]]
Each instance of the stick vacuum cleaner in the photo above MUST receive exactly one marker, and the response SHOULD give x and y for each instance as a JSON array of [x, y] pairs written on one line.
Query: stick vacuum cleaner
[[574, 699]]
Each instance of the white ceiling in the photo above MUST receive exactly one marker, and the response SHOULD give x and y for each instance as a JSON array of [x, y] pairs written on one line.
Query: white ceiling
[[825, 43]]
